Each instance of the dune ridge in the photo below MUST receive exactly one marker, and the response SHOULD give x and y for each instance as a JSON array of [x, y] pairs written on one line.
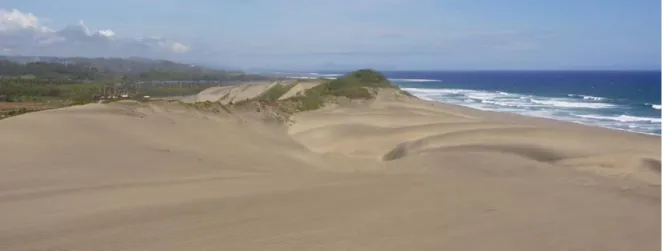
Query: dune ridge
[[388, 173]]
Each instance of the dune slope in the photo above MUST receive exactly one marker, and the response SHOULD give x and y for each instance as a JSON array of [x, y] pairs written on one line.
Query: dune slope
[[393, 173]]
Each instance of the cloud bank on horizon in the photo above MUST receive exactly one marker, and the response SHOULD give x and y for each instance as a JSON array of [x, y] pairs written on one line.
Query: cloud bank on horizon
[[344, 34], [23, 33]]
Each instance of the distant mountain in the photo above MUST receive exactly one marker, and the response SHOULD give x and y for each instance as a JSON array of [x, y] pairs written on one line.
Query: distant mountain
[[135, 68], [113, 65]]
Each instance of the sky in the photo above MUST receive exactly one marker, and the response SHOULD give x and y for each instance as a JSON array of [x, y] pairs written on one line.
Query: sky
[[344, 34]]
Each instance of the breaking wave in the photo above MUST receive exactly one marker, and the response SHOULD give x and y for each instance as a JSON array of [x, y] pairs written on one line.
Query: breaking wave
[[571, 104], [587, 97], [577, 108], [416, 80]]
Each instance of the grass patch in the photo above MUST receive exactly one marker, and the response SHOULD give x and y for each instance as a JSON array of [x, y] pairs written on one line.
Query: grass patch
[[275, 92], [15, 112], [307, 103], [80, 101], [312, 99], [352, 93]]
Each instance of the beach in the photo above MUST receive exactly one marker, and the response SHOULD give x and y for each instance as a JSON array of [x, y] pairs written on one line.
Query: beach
[[391, 173]]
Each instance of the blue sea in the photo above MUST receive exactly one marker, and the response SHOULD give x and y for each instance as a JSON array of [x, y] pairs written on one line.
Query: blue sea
[[623, 100]]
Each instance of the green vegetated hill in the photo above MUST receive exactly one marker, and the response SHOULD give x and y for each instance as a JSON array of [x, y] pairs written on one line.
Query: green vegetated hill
[[36, 79], [35, 83], [360, 84], [115, 69]]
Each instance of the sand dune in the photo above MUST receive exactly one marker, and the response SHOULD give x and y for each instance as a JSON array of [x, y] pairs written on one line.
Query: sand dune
[[234, 93], [395, 173], [299, 88]]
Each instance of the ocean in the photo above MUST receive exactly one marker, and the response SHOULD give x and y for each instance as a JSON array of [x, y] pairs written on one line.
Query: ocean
[[623, 100]]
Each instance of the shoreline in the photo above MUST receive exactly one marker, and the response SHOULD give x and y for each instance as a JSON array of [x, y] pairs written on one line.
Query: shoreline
[[328, 76], [526, 115], [542, 118]]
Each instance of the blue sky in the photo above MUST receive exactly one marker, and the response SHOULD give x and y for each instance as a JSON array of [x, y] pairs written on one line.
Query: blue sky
[[314, 34]]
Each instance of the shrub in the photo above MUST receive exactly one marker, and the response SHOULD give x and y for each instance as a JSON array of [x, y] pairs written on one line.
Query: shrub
[[310, 104], [310, 101]]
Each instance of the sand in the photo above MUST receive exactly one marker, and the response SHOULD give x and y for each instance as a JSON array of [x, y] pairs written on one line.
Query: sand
[[299, 88], [396, 173], [234, 93]]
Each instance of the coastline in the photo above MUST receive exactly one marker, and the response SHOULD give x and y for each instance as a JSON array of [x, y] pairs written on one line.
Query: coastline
[[543, 120], [622, 100]]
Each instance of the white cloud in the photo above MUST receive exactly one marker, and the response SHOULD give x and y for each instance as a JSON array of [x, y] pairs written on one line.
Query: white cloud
[[164, 43], [178, 47], [106, 33], [84, 28], [23, 33], [17, 20]]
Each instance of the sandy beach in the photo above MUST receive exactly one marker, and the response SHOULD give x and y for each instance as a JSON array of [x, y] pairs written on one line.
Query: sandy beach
[[393, 173]]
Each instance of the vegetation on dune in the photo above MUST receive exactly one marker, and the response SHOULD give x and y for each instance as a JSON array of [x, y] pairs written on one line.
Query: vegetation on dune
[[21, 90], [276, 91], [311, 100], [169, 91], [26, 90], [214, 107], [355, 85], [15, 112], [363, 78], [51, 85]]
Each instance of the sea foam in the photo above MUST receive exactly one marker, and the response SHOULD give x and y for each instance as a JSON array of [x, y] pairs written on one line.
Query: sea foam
[[587, 97], [576, 108], [571, 104], [622, 118], [413, 80]]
